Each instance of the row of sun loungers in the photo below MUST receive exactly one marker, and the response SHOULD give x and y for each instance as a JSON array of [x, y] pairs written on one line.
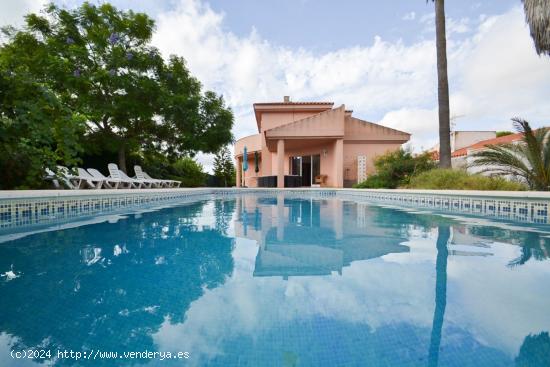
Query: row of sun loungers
[[117, 179]]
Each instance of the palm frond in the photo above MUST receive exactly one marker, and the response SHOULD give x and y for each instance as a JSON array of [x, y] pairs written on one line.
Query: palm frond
[[537, 15], [529, 159]]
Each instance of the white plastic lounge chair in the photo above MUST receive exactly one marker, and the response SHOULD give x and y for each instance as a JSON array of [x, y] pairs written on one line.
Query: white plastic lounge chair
[[96, 181], [51, 176], [118, 174], [153, 182], [77, 181], [140, 183], [165, 183], [109, 182]]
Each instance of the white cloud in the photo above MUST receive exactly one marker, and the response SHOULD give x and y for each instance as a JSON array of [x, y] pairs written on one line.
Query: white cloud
[[457, 26], [424, 122], [12, 12], [409, 16], [494, 72]]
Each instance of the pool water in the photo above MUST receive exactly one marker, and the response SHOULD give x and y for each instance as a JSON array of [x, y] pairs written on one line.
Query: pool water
[[258, 280]]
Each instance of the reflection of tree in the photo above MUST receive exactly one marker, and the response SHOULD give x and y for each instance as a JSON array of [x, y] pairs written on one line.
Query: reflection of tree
[[223, 212], [443, 234], [533, 245], [535, 351], [110, 286]]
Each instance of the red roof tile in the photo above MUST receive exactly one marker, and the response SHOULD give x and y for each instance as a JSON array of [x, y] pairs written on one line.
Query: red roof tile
[[501, 140]]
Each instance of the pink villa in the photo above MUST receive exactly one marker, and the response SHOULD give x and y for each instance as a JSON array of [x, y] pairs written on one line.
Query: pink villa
[[311, 144]]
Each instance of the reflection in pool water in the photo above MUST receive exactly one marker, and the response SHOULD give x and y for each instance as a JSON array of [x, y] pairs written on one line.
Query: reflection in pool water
[[256, 281]]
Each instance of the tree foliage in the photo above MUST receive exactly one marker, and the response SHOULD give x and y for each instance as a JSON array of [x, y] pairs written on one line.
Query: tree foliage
[[457, 179], [528, 160], [503, 133], [96, 64], [395, 169], [224, 169], [189, 172], [36, 129]]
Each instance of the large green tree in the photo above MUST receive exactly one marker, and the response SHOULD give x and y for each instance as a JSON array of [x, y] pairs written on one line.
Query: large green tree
[[99, 62], [36, 129]]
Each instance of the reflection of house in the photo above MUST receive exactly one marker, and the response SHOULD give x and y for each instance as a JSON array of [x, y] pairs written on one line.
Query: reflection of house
[[309, 237], [463, 243], [309, 143]]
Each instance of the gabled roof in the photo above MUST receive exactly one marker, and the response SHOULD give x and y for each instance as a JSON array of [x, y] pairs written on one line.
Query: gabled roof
[[325, 124], [357, 129], [315, 107]]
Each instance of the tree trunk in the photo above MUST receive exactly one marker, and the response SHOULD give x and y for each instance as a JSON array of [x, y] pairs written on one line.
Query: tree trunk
[[442, 86], [122, 158]]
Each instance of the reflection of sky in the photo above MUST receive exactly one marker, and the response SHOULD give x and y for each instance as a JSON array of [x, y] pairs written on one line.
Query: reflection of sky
[[185, 277], [399, 288], [483, 306]]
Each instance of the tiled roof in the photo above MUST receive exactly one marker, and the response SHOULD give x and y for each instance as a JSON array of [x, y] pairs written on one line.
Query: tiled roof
[[501, 140]]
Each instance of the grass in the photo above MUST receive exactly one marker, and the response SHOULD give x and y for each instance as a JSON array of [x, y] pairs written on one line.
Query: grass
[[450, 179]]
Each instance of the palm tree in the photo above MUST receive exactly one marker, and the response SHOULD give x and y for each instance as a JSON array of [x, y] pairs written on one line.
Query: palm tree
[[528, 159], [442, 86], [537, 14]]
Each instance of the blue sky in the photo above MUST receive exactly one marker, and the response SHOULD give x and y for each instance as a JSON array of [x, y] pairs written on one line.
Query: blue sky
[[376, 57], [328, 25]]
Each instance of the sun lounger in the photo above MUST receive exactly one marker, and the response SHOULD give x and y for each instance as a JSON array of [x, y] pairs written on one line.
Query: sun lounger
[[118, 174], [89, 179], [108, 182], [152, 181]]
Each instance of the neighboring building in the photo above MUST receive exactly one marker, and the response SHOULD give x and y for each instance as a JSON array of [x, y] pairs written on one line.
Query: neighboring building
[[310, 143], [463, 157], [462, 139]]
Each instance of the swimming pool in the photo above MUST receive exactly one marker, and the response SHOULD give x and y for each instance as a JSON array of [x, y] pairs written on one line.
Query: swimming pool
[[279, 280]]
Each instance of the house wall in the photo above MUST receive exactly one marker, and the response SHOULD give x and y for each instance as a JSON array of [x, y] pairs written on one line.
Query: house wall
[[250, 176], [370, 150], [459, 162], [462, 139]]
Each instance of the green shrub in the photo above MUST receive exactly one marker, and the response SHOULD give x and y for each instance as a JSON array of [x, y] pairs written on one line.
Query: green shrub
[[395, 169], [449, 179], [375, 182], [189, 172]]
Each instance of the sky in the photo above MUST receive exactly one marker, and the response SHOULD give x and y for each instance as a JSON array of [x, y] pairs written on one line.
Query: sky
[[376, 57]]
